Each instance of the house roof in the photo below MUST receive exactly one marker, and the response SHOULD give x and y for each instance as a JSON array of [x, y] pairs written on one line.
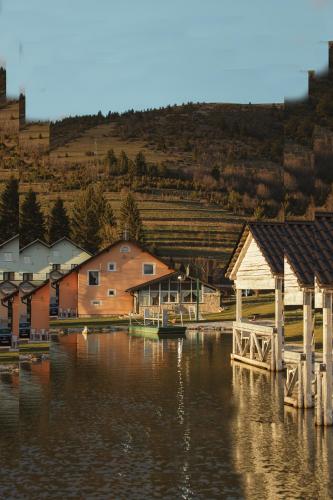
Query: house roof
[[10, 240], [323, 230], [300, 251], [106, 249], [53, 244], [307, 246], [34, 290], [152, 282], [10, 295], [65, 238], [269, 238], [34, 243], [162, 278]]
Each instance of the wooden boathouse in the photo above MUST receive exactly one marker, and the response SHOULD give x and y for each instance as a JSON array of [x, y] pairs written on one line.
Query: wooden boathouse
[[299, 262], [257, 264], [323, 228]]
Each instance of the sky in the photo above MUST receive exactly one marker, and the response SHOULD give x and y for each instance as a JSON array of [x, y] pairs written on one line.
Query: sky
[[81, 56]]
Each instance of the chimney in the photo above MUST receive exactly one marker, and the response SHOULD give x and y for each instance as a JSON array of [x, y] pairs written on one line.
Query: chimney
[[3, 84], [330, 56], [125, 236]]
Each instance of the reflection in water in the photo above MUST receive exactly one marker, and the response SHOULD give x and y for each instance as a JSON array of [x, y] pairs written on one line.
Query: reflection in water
[[277, 449], [114, 416]]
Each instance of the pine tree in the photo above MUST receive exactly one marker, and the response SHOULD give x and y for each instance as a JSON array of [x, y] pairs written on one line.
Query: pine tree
[[32, 223], [140, 164], [93, 222], [9, 210], [58, 221], [130, 220]]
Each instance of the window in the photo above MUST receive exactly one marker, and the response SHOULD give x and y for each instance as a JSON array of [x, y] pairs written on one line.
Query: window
[[28, 276], [27, 259], [111, 292], [112, 266], [154, 299], [56, 267], [144, 298], [73, 266], [8, 276], [93, 278], [148, 269], [8, 257], [96, 303], [125, 249]]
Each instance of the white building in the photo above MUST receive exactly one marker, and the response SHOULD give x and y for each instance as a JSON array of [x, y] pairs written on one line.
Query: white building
[[38, 259], [9, 259]]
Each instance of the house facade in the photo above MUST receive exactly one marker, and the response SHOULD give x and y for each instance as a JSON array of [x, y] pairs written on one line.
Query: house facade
[[98, 286], [177, 293], [38, 260], [37, 304], [9, 260]]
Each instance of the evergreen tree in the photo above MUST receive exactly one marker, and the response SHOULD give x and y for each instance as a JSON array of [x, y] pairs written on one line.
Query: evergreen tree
[[32, 223], [93, 222], [112, 162], [9, 210], [130, 220], [123, 163], [140, 164], [58, 221]]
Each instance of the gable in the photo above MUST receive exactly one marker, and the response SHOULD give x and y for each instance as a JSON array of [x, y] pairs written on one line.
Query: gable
[[252, 270]]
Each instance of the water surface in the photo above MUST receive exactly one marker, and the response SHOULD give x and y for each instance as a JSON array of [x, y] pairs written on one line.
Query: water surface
[[123, 417]]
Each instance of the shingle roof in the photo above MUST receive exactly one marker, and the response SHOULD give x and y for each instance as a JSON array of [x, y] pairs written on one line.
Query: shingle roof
[[323, 226], [270, 236], [307, 245], [299, 249]]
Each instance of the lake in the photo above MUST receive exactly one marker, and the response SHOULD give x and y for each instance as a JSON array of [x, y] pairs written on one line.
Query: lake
[[119, 417]]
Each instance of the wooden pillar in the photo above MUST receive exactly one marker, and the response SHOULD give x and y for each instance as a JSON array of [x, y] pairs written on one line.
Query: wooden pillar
[[307, 349], [238, 318], [327, 360], [278, 325], [238, 304]]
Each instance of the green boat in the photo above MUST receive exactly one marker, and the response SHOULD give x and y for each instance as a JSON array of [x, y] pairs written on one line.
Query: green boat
[[157, 332]]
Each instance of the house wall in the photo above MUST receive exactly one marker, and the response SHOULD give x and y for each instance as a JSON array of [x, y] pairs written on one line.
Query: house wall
[[128, 273], [12, 247], [42, 257], [68, 292], [292, 293], [253, 271], [40, 307]]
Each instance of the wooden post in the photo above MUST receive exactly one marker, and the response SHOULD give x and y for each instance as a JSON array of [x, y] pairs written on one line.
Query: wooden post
[[238, 318], [278, 324], [307, 349], [327, 359], [238, 304], [319, 414]]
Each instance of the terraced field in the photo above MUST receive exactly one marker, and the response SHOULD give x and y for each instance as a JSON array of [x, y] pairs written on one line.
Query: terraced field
[[181, 229]]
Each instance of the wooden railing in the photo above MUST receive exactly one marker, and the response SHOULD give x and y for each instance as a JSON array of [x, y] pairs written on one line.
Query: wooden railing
[[254, 344], [299, 387]]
